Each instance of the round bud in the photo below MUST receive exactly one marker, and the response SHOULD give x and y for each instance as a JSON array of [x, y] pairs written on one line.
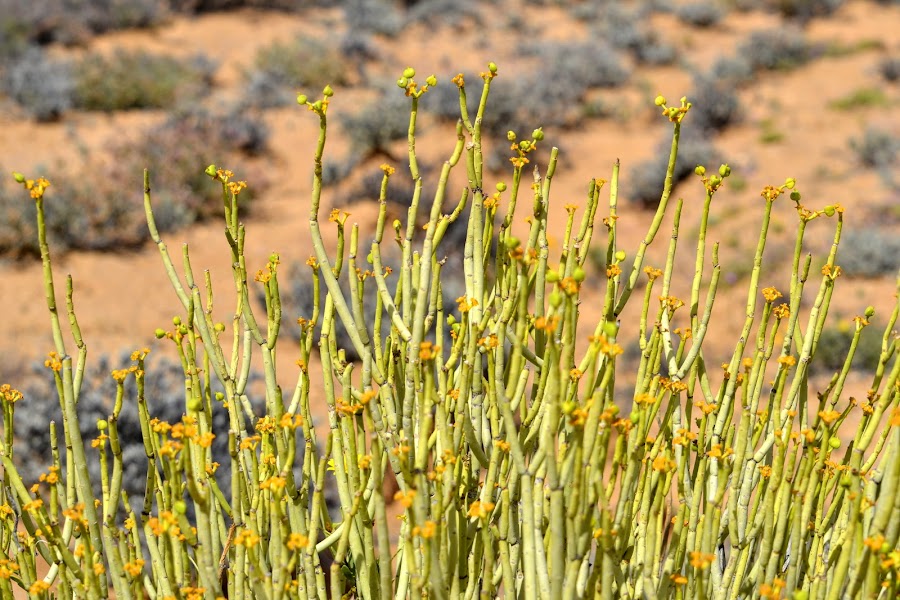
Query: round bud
[[800, 595], [492, 67], [328, 92], [317, 106], [568, 406], [555, 299], [845, 480], [660, 101], [431, 80], [578, 275], [102, 424], [790, 182], [369, 258], [511, 135], [795, 196], [715, 180], [834, 442], [635, 417], [19, 177], [180, 507], [613, 409], [870, 310], [397, 224], [829, 210], [524, 145], [194, 404], [176, 321], [211, 170], [610, 328], [620, 255], [409, 72], [451, 320], [501, 187], [724, 170], [182, 329], [159, 333], [552, 276], [301, 99], [512, 242], [274, 258], [220, 396], [220, 327], [700, 170], [538, 134]]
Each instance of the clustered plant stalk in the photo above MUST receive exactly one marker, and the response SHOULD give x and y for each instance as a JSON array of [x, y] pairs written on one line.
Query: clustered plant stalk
[[518, 474]]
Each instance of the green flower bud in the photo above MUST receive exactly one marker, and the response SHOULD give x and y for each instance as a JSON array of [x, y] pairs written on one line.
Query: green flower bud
[[845, 480], [409, 72], [397, 225], [552, 276], [501, 187], [800, 595], [870, 310], [492, 67], [328, 92], [102, 424], [194, 404], [700, 170], [210, 170], [220, 396], [176, 321], [834, 442], [524, 145], [613, 409], [578, 275], [660, 100], [795, 196], [790, 182], [274, 258], [512, 242], [829, 210], [568, 406], [610, 329], [431, 81], [317, 106], [538, 134], [620, 255], [159, 333], [635, 418], [555, 299], [182, 329], [21, 178], [511, 135], [451, 320], [724, 170], [369, 258], [715, 180], [180, 507], [220, 327], [301, 99]]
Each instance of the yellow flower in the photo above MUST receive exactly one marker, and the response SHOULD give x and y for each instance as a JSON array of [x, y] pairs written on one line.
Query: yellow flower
[[297, 541], [829, 416], [246, 538], [771, 294], [700, 560], [10, 395], [480, 510], [405, 498], [38, 587]]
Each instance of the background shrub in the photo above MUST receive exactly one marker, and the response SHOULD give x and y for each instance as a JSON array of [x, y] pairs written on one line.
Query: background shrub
[[715, 104], [129, 80], [834, 344], [782, 48], [645, 181], [877, 148], [41, 85], [380, 122], [870, 253], [282, 68], [700, 14], [103, 214], [889, 68]]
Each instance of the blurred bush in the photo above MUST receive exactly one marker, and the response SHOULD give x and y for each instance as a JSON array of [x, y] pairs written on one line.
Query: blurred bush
[[42, 86], [645, 182], [105, 213], [782, 48], [281, 69], [834, 344], [874, 252], [129, 80], [700, 14]]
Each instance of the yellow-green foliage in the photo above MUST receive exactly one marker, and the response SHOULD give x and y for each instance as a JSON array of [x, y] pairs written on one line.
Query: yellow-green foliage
[[518, 474]]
